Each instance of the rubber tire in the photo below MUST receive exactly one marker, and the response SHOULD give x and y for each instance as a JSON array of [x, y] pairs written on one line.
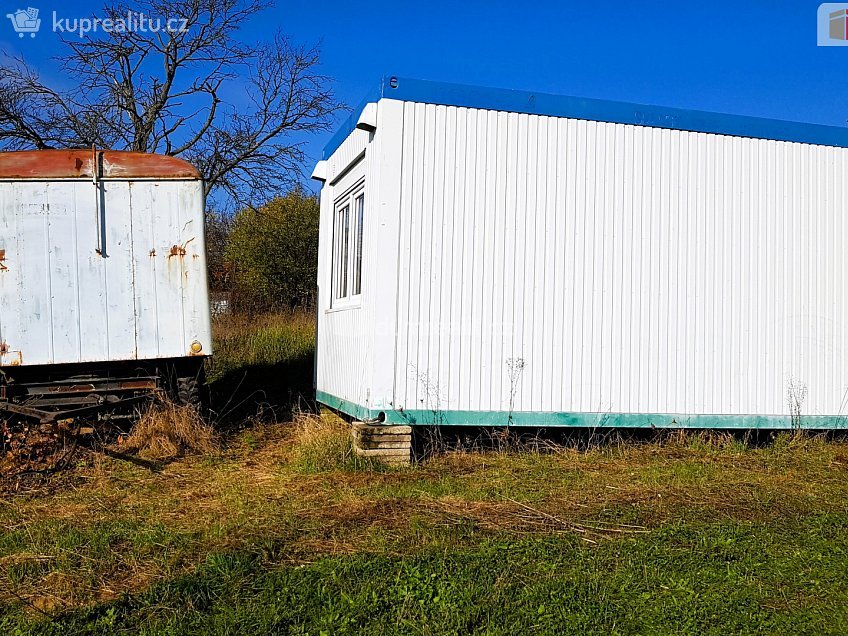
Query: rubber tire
[[191, 388]]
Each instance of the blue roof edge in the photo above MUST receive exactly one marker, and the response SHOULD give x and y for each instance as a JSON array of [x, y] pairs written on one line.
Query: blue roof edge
[[509, 100], [349, 124]]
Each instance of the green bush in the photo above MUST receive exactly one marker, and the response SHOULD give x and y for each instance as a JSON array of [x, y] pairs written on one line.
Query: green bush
[[273, 253]]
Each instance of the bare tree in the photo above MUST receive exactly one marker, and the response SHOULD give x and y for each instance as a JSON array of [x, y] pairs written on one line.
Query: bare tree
[[190, 87]]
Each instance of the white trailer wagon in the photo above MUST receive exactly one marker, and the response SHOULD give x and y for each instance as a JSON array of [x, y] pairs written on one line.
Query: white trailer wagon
[[103, 293], [496, 257]]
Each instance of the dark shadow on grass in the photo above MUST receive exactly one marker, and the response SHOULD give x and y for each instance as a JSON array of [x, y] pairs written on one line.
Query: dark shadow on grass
[[274, 390], [431, 440], [154, 466]]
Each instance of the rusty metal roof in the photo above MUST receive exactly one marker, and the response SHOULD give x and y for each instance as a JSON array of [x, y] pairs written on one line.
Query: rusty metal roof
[[77, 164]]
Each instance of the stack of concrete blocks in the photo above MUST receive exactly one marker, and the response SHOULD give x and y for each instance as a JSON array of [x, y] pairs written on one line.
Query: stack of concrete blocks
[[388, 444]]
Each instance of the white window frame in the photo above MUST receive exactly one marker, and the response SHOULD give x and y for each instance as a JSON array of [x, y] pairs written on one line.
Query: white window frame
[[347, 248]]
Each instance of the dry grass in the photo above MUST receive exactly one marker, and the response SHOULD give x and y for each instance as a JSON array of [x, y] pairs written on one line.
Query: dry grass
[[227, 326], [294, 492], [119, 527], [167, 430], [263, 340], [319, 444], [323, 444]]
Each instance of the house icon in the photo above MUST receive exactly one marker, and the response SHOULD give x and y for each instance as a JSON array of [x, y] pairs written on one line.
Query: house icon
[[832, 24], [25, 21], [839, 25]]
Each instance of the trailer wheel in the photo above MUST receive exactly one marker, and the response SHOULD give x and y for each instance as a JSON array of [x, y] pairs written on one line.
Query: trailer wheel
[[188, 392], [191, 387]]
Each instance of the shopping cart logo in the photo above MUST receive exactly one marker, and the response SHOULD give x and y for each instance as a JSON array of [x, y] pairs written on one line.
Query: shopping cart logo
[[25, 21]]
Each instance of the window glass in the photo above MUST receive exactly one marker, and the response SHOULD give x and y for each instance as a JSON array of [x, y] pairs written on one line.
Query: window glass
[[359, 206], [348, 234]]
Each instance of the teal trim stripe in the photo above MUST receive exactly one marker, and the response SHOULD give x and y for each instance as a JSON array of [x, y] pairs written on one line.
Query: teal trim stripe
[[350, 408], [584, 420]]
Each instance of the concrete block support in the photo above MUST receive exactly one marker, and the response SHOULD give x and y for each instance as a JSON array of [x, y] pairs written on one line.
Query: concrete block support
[[389, 444]]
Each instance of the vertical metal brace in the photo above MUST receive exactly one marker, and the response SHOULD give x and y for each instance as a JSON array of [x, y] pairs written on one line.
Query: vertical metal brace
[[95, 173]]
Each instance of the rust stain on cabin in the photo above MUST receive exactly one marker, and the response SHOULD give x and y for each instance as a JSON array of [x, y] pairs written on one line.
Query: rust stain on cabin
[[179, 250], [75, 164]]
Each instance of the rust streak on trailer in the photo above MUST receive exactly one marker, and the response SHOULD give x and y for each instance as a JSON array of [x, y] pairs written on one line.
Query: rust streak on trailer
[[138, 384], [180, 250], [79, 164]]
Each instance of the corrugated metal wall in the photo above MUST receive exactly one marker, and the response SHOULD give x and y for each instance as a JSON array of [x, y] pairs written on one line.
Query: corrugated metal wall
[[340, 350], [61, 302], [550, 264]]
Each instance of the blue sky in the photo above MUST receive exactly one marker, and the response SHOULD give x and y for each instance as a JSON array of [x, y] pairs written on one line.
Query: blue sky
[[758, 59]]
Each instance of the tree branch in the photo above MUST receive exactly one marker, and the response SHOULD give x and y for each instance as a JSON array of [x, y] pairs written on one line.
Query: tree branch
[[237, 110]]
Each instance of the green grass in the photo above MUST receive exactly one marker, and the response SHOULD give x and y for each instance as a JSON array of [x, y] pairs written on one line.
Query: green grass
[[684, 578], [261, 341], [267, 360], [256, 542], [322, 446], [287, 532]]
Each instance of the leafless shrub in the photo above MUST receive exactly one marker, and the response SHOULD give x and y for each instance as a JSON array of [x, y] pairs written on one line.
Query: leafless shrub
[[796, 393], [431, 393], [515, 367]]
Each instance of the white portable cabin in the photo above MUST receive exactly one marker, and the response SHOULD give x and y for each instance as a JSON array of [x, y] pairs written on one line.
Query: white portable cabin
[[496, 257], [102, 259]]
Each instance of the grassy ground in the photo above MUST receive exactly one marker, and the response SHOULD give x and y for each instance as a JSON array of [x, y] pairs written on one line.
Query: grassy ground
[[284, 531], [265, 360]]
